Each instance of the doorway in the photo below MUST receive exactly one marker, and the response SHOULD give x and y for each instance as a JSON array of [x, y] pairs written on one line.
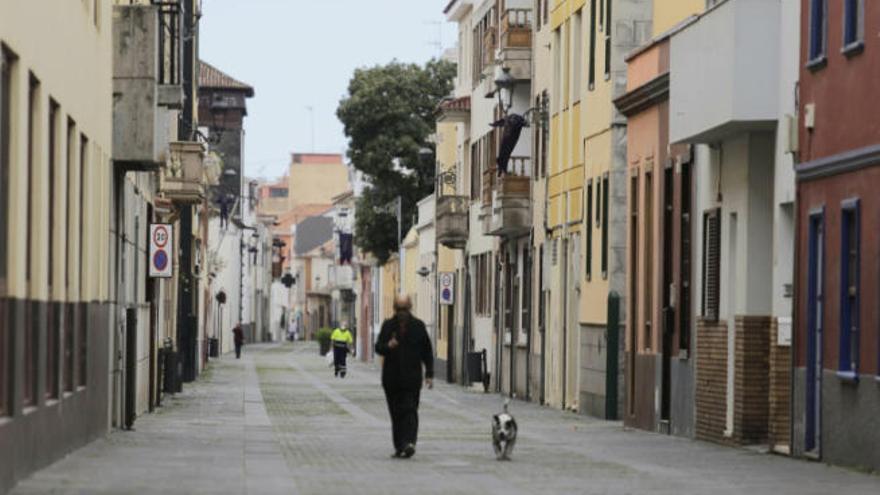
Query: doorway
[[668, 324], [815, 313]]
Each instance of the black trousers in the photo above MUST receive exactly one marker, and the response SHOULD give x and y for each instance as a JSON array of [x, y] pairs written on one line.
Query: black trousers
[[403, 405], [339, 354], [237, 351]]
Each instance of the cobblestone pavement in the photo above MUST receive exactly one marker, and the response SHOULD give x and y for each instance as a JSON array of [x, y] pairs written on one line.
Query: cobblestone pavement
[[277, 421]]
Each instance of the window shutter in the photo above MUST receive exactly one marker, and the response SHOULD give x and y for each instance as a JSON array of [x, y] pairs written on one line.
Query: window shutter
[[711, 263]]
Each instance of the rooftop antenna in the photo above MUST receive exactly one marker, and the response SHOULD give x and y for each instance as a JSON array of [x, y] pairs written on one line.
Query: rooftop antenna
[[436, 42], [311, 110]]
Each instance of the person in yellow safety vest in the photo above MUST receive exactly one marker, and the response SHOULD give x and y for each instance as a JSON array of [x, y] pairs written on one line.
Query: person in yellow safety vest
[[342, 341]]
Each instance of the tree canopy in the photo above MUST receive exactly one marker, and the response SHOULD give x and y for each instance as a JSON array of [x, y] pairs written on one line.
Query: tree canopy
[[388, 116]]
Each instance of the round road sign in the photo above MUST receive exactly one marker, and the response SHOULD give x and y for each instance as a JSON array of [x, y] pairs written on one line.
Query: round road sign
[[160, 236]]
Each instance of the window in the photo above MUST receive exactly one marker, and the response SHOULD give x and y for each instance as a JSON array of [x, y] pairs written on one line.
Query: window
[[83, 346], [482, 266], [6, 61], [593, 20], [557, 67], [598, 201], [32, 153], [476, 172], [853, 25], [605, 226], [577, 55], [71, 206], [53, 143], [52, 346], [29, 395], [589, 226], [83, 167], [608, 30], [278, 192], [818, 30], [5, 365], [849, 289], [711, 263]]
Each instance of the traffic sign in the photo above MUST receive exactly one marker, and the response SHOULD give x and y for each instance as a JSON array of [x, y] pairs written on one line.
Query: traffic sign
[[447, 288], [161, 245]]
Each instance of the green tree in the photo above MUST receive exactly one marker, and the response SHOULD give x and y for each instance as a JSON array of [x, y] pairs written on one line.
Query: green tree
[[388, 116]]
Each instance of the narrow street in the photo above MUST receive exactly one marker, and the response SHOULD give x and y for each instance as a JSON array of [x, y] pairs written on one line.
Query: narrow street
[[278, 422]]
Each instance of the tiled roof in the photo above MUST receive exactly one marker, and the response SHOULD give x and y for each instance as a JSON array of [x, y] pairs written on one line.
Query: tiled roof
[[462, 104], [317, 158], [212, 77]]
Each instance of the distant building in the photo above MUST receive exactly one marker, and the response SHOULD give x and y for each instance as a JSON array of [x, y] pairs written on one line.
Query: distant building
[[316, 178]]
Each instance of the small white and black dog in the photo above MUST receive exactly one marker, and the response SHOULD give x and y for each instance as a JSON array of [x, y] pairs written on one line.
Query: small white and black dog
[[503, 434]]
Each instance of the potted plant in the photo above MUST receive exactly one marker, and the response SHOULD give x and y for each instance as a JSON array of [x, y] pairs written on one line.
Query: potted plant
[[323, 338]]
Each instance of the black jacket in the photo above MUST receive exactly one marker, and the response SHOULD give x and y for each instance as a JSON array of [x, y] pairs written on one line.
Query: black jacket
[[402, 368]]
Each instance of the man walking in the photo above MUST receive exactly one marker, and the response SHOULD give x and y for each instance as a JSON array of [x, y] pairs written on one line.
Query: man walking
[[238, 338], [342, 341], [405, 345]]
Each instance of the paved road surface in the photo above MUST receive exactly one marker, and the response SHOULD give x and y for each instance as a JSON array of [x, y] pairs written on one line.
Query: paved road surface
[[277, 421]]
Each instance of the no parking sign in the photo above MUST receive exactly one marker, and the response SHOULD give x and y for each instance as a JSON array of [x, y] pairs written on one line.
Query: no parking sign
[[160, 250], [447, 288]]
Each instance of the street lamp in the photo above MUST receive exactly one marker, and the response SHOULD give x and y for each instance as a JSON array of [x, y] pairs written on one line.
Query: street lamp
[[423, 272], [504, 86]]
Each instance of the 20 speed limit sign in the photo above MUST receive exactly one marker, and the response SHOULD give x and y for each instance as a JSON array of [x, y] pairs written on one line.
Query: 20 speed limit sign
[[160, 250]]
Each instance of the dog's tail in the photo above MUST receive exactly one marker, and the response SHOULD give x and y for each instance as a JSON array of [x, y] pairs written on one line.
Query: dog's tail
[[506, 403]]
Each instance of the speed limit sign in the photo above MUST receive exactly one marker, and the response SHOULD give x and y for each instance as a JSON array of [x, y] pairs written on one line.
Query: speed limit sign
[[160, 250]]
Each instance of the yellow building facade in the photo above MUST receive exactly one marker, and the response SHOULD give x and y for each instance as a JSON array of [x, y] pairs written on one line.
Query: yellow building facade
[[56, 126]]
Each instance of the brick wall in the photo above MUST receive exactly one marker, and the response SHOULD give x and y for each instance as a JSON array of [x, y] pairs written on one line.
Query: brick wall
[[751, 379], [780, 392], [711, 378]]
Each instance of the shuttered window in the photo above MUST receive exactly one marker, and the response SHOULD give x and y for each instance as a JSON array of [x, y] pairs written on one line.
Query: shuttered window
[[589, 227], [608, 29], [593, 22], [711, 263], [605, 226]]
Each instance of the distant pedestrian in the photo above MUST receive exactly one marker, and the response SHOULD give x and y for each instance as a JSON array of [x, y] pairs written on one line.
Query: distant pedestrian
[[342, 340], [405, 345], [238, 338]]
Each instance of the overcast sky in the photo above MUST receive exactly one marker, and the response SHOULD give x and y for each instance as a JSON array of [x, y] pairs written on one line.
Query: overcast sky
[[301, 53]]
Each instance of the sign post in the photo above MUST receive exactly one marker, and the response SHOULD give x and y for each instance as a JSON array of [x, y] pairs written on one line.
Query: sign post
[[447, 288], [161, 243]]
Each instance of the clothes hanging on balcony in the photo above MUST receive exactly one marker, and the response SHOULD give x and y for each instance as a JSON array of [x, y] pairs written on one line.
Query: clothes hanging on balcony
[[346, 248], [512, 126]]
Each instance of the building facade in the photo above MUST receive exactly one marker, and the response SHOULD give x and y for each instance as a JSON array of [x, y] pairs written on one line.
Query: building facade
[[56, 321], [742, 231], [836, 341], [658, 340]]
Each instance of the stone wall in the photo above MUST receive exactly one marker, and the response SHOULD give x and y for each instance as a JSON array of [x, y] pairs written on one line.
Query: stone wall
[[780, 393], [711, 380]]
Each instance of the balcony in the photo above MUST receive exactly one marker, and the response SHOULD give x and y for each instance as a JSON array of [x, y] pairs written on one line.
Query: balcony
[[452, 221], [515, 49], [724, 70], [146, 82], [507, 209], [185, 176]]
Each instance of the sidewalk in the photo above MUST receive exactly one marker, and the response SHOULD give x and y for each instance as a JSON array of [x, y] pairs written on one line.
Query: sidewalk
[[279, 422]]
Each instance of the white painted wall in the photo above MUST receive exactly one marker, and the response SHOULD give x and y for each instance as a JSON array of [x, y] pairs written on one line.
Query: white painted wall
[[784, 183], [723, 65]]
